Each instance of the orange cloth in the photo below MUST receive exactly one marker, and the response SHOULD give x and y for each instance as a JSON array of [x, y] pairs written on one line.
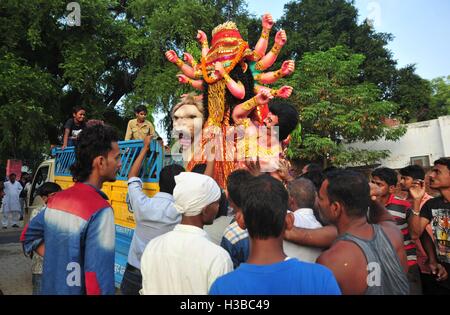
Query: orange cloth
[[217, 126]]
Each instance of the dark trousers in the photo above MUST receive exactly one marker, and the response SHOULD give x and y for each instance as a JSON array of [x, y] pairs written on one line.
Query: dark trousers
[[37, 281], [132, 281], [433, 287], [414, 280]]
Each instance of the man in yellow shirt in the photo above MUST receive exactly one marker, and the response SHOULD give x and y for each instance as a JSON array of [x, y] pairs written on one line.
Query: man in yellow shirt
[[140, 127]]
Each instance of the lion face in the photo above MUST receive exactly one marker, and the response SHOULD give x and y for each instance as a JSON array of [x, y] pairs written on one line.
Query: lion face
[[188, 121]]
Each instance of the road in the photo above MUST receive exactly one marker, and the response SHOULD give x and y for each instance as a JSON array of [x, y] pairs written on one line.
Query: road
[[15, 268], [10, 236]]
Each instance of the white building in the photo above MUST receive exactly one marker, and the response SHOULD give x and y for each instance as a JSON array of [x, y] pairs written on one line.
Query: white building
[[423, 143]]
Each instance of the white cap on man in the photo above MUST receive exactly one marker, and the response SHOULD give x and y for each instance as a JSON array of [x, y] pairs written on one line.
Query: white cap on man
[[193, 192]]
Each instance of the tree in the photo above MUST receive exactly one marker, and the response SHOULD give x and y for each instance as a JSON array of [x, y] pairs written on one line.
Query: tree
[[412, 94], [318, 25], [51, 67], [110, 63], [336, 108], [23, 92], [163, 25], [440, 98]]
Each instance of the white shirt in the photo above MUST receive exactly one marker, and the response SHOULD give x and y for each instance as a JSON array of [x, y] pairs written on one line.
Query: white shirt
[[11, 201], [305, 218], [183, 261], [27, 188], [302, 253], [154, 217], [215, 231]]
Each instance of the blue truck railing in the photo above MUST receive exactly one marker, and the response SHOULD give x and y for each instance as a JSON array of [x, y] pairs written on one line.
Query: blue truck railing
[[129, 150]]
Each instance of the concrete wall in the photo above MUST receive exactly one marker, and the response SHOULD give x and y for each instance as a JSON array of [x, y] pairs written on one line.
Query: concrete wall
[[427, 138]]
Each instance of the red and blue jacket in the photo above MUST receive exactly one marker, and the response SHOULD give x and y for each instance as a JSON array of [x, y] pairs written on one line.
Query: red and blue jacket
[[77, 229]]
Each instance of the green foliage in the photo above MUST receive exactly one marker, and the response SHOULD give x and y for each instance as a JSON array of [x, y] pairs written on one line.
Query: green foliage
[[412, 94], [115, 61], [440, 98], [318, 25], [355, 157], [164, 25], [334, 107], [53, 67], [111, 63], [23, 92]]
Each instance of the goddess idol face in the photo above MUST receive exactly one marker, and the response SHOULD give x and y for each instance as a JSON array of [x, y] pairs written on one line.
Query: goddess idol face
[[227, 47]]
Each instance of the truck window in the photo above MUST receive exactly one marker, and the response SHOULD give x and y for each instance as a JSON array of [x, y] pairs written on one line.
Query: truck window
[[39, 179]]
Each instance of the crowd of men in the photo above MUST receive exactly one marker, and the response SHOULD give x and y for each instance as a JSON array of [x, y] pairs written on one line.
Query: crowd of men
[[326, 232]]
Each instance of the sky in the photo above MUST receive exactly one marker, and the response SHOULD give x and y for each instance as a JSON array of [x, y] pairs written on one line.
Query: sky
[[421, 29]]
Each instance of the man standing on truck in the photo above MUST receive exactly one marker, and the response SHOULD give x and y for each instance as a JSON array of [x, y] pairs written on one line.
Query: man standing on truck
[[140, 127], [74, 126], [75, 231], [154, 216]]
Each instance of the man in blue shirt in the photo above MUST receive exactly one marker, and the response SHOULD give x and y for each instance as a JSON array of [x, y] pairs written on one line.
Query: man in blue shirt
[[154, 216], [268, 270]]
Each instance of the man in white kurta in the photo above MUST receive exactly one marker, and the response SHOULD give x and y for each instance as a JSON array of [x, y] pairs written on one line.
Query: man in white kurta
[[11, 202], [185, 261]]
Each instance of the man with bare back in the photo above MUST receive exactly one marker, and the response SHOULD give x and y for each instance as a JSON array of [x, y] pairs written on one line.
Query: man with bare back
[[365, 258]]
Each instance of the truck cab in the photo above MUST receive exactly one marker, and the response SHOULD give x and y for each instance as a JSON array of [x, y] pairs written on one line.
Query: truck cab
[[57, 170], [44, 173]]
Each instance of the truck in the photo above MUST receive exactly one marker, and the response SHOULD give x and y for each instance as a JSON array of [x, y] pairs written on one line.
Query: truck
[[57, 169]]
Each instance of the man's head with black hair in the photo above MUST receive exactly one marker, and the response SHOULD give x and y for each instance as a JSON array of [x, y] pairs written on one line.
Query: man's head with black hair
[[79, 114], [236, 181], [264, 208], [343, 194], [311, 167], [77, 108], [47, 190], [167, 177], [413, 171], [97, 155], [140, 108], [445, 161], [12, 177], [199, 168], [409, 174], [283, 115], [386, 179], [25, 177], [387, 175], [141, 113], [440, 175]]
